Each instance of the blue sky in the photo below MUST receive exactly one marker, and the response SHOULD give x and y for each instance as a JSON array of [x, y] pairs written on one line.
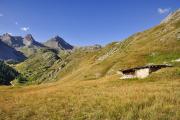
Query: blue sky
[[82, 22]]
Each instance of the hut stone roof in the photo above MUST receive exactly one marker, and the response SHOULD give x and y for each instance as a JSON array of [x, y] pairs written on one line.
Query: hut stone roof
[[143, 67]]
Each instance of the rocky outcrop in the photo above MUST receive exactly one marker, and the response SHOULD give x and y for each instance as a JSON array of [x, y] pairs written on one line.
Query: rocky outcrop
[[58, 43], [90, 48], [174, 16], [29, 41], [10, 54], [18, 41], [13, 41]]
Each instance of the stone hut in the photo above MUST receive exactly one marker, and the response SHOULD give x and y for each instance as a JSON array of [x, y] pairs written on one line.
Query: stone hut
[[142, 71]]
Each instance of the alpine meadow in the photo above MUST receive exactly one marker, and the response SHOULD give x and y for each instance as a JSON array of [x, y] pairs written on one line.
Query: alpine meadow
[[136, 78]]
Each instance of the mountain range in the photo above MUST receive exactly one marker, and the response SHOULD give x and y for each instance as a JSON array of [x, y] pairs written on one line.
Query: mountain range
[[157, 45], [27, 45]]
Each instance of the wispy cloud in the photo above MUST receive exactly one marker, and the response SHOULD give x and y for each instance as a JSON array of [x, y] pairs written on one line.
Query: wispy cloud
[[9, 33], [163, 10], [16, 23], [25, 29], [1, 15]]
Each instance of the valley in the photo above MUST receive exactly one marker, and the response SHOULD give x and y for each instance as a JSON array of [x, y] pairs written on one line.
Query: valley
[[66, 82]]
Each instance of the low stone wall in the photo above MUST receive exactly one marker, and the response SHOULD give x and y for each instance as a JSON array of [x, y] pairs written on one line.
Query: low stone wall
[[142, 73]]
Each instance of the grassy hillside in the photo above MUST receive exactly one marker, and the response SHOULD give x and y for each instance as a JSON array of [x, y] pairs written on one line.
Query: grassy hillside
[[157, 45], [42, 66], [88, 87]]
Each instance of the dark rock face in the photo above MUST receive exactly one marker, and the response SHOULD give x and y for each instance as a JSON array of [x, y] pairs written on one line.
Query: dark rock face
[[29, 41], [18, 41], [58, 43], [10, 54], [13, 41]]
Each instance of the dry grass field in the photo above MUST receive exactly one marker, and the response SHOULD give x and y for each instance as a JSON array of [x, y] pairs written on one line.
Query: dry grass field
[[108, 98]]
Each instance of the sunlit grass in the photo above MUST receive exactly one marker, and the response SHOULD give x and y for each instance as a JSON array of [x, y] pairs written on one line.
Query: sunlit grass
[[106, 98]]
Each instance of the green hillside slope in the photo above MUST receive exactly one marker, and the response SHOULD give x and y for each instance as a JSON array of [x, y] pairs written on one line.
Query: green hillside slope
[[158, 45], [42, 66]]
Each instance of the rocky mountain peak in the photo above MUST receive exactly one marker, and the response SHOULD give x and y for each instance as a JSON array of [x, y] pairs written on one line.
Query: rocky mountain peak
[[6, 36], [58, 43], [29, 41], [57, 37], [13, 41], [29, 37]]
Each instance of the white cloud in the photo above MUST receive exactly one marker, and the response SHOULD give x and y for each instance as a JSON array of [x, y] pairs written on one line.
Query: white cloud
[[163, 10], [1, 15], [9, 33], [25, 29]]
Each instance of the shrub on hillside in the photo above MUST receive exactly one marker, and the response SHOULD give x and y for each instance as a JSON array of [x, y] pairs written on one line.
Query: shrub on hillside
[[21, 79]]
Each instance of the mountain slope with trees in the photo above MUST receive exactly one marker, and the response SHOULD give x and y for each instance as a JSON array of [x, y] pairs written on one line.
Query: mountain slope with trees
[[7, 74]]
